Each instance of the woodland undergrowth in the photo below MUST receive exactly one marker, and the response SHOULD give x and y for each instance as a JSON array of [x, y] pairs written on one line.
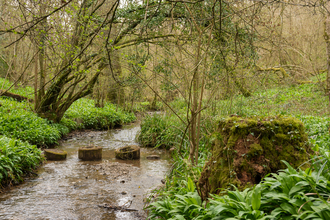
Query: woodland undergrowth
[[289, 194]]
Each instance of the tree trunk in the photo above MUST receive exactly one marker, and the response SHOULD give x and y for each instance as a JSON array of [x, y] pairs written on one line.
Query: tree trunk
[[116, 92], [42, 47], [327, 41], [36, 103], [239, 85]]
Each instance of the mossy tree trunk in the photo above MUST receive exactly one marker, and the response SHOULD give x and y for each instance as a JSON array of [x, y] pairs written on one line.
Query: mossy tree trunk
[[239, 85], [64, 89]]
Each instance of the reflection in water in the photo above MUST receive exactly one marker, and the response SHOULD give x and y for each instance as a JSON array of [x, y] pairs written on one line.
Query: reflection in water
[[73, 189]]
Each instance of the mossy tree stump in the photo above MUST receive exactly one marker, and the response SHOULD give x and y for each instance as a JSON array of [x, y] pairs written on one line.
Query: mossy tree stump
[[246, 149], [130, 152], [55, 154], [90, 153]]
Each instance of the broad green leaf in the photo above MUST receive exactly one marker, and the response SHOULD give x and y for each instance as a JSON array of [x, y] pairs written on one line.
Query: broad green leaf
[[256, 198]]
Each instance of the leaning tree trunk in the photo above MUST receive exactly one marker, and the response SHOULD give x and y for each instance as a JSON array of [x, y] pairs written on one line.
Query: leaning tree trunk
[[53, 105]]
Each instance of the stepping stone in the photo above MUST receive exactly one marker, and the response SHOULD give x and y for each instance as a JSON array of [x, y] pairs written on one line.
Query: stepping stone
[[90, 153], [55, 154], [129, 152]]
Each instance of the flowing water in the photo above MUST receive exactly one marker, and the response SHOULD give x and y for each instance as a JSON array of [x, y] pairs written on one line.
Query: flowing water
[[74, 189]]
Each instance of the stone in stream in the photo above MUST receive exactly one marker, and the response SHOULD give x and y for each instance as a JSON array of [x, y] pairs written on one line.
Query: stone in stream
[[90, 153], [55, 154], [129, 152], [153, 157]]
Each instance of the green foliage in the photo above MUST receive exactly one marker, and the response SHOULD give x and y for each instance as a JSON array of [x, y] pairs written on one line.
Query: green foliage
[[89, 117], [25, 91], [18, 121], [290, 194], [167, 130], [160, 131], [16, 159]]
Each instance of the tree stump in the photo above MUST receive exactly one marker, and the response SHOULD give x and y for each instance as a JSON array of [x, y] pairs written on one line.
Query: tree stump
[[90, 153], [245, 150], [55, 154], [130, 152]]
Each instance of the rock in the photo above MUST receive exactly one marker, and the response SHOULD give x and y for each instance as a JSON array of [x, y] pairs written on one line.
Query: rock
[[153, 157], [90, 153], [55, 154], [130, 152]]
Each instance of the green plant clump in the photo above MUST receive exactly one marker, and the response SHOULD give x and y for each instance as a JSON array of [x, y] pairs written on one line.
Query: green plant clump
[[17, 158], [160, 131], [84, 115], [288, 195], [18, 121]]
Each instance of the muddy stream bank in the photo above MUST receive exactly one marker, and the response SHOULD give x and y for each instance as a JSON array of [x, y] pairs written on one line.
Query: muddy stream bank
[[74, 189]]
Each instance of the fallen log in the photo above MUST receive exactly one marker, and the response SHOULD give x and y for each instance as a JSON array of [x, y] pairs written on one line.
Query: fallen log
[[14, 96]]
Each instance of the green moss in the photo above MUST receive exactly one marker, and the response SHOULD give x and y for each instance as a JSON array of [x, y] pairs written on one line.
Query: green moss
[[255, 149], [246, 149], [55, 154], [232, 141]]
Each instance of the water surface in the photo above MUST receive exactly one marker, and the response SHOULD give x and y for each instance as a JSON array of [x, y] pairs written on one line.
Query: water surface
[[74, 189]]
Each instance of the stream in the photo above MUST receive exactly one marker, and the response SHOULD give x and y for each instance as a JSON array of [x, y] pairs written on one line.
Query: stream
[[74, 189]]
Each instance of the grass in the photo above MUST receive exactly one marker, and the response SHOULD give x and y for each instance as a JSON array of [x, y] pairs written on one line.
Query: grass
[[288, 100]]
